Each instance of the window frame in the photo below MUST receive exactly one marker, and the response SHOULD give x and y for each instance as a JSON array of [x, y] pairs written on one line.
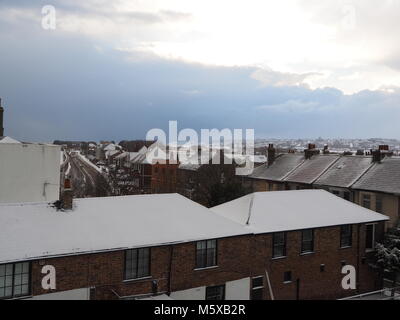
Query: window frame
[[29, 282], [302, 250], [274, 256], [257, 288], [366, 197], [342, 235], [379, 199], [148, 274], [284, 277], [206, 265], [223, 295], [369, 249]]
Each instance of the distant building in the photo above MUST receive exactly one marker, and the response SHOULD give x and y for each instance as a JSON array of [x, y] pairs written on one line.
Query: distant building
[[196, 178], [372, 181]]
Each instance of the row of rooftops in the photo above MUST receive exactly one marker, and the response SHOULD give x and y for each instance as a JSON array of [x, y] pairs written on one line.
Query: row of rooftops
[[39, 230], [345, 171]]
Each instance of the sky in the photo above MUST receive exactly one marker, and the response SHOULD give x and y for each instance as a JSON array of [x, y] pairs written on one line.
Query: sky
[[116, 69]]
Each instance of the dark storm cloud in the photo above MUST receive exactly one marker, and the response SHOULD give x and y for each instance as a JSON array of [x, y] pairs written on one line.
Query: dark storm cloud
[[58, 85]]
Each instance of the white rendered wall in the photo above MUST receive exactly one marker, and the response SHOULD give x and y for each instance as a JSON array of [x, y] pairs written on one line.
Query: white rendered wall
[[234, 290], [29, 172], [190, 294], [238, 289], [77, 294]]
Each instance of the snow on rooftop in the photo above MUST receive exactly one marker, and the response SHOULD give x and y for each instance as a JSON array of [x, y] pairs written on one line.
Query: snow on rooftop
[[8, 140], [35, 230], [294, 210]]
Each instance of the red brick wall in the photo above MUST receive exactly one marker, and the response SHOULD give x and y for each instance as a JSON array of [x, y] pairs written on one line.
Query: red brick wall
[[164, 178], [238, 257], [232, 260], [105, 270], [313, 284]]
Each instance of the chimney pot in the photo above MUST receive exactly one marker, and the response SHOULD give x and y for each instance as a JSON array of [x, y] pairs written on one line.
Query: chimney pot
[[67, 197], [384, 147], [271, 154]]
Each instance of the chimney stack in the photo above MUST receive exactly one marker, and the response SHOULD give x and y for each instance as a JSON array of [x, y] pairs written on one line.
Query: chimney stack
[[308, 153], [1, 120], [376, 155], [67, 197], [271, 154], [360, 152], [385, 152]]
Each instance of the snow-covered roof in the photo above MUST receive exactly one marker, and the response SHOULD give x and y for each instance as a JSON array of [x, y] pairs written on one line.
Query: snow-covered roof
[[110, 147], [280, 168], [294, 210], [8, 140], [312, 168], [122, 155], [381, 177], [345, 171], [110, 153], [29, 231]]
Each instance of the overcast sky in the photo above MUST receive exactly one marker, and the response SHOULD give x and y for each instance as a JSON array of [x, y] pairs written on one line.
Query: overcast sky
[[115, 69]]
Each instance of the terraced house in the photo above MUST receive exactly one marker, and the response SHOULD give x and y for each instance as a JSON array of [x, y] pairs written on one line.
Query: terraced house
[[372, 181]]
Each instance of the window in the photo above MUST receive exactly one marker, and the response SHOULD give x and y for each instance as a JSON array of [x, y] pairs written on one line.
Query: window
[[287, 276], [366, 201], [257, 288], [215, 293], [345, 236], [336, 193], [307, 241], [278, 244], [346, 195], [137, 263], [14, 280], [370, 237], [378, 204], [206, 253]]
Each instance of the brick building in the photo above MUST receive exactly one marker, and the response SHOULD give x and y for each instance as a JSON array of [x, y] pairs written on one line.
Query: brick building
[[197, 177], [372, 181], [164, 177], [138, 246], [302, 240]]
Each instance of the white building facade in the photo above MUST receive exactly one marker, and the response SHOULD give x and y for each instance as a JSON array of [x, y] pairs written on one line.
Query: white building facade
[[29, 172]]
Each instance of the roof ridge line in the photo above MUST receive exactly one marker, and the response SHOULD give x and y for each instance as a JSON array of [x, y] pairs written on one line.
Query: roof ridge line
[[250, 208], [291, 171], [326, 169], [373, 164]]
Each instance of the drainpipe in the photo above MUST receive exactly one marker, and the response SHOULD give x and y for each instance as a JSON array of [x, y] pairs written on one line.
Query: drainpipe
[[358, 259], [170, 270], [298, 289], [271, 293]]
